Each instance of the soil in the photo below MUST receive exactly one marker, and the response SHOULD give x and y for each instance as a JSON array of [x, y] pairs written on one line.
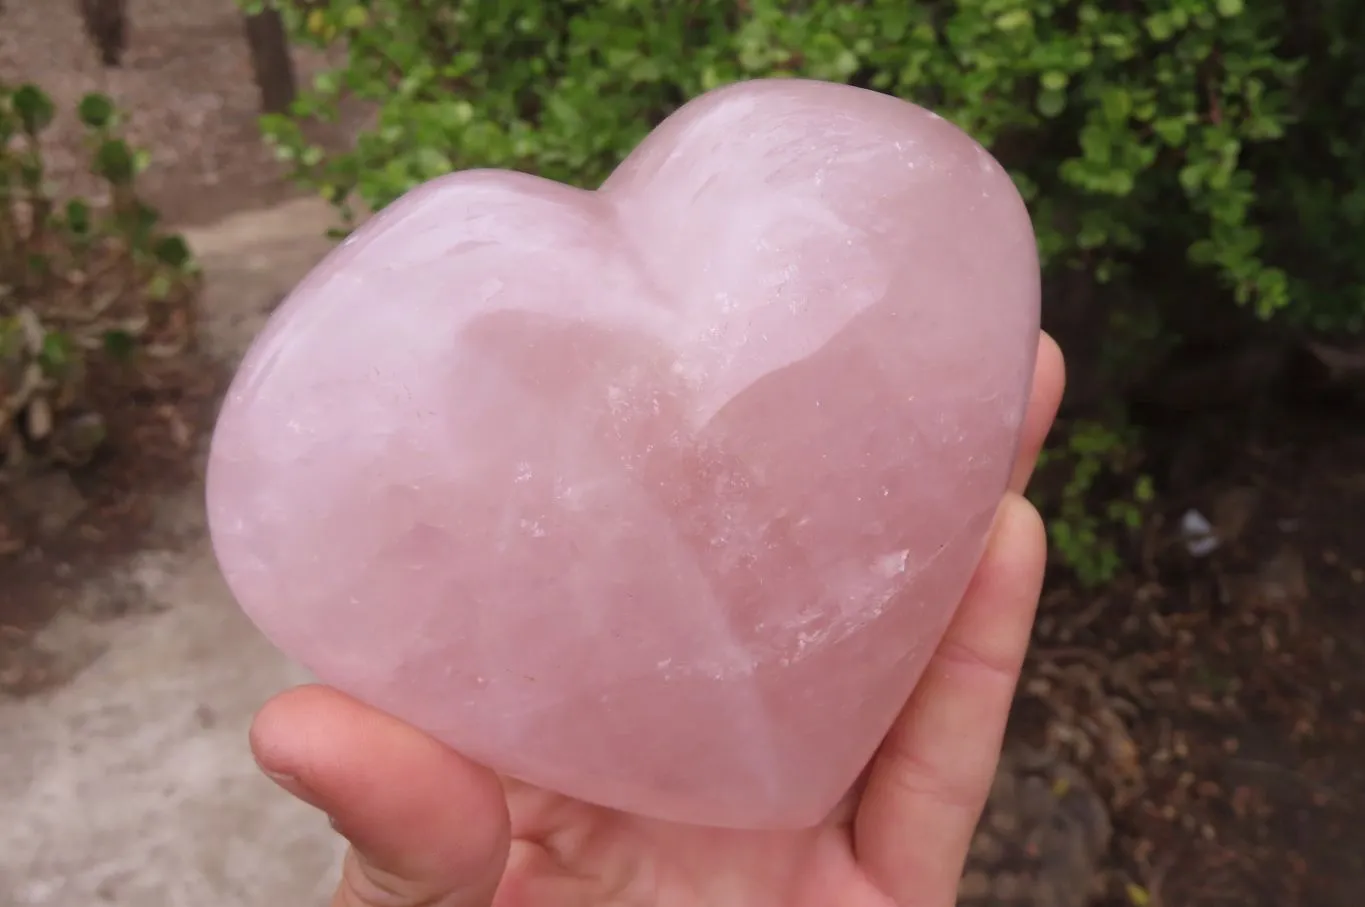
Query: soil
[[59, 528], [1217, 702], [1213, 702]]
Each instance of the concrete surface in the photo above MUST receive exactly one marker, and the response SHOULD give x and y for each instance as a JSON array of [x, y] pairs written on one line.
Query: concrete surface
[[132, 784]]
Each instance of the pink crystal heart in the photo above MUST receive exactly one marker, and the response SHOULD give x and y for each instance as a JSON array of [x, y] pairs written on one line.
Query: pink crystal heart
[[658, 496]]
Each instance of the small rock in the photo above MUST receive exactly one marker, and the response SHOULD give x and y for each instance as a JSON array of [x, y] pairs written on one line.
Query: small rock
[[1041, 840], [48, 502], [1200, 538], [76, 440]]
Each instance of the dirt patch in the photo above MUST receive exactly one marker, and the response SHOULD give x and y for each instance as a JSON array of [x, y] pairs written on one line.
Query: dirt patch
[[61, 527], [131, 499], [186, 94], [1217, 700], [185, 91]]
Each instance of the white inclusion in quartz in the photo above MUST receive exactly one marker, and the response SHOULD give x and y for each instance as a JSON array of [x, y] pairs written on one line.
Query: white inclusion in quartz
[[893, 564]]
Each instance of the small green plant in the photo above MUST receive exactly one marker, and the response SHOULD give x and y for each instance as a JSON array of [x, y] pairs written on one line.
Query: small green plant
[[1094, 461], [83, 286]]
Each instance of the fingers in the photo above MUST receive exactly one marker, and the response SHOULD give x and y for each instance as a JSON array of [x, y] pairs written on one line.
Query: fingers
[[1049, 380], [930, 780], [426, 826]]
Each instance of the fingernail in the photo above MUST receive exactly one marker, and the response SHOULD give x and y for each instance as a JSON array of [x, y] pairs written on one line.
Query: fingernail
[[292, 784]]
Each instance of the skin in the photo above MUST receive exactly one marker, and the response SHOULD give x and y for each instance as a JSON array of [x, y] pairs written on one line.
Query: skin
[[430, 829]]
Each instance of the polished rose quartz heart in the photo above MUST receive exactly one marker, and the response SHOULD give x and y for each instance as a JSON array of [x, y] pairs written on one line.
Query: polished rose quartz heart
[[658, 496]]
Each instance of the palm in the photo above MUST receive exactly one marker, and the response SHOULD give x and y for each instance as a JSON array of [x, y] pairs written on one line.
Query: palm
[[570, 854]]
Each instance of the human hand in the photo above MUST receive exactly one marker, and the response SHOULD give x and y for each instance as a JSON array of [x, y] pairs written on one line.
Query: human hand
[[430, 829]]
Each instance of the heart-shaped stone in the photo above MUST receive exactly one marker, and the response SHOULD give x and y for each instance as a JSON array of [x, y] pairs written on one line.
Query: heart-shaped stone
[[658, 496]]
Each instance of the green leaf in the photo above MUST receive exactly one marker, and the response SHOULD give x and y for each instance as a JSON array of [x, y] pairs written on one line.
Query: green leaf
[[1116, 103], [34, 107], [1054, 80], [56, 354], [159, 287], [119, 344], [78, 216], [1051, 102], [1160, 26], [1014, 20], [114, 161], [355, 17], [96, 110], [1171, 130], [172, 251]]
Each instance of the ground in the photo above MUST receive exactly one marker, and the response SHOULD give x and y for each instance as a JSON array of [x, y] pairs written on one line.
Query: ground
[[129, 677], [1187, 735], [1217, 702], [185, 92]]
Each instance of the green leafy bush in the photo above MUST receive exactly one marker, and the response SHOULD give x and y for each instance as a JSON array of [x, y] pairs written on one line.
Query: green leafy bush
[[81, 285], [1117, 124], [1221, 135]]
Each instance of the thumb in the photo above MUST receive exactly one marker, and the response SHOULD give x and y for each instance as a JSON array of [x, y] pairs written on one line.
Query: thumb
[[427, 827]]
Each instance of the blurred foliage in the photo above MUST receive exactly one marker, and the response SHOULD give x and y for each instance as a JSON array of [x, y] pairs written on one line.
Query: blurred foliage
[[1094, 461], [1221, 132], [82, 285]]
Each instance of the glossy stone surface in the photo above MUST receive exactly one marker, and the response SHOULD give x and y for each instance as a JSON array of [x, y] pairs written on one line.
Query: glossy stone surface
[[658, 496]]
